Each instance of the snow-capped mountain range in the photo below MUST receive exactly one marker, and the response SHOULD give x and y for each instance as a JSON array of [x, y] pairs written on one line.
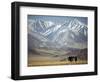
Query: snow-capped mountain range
[[72, 33]]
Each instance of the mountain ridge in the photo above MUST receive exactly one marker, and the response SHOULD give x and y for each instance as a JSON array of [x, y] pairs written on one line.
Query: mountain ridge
[[71, 33]]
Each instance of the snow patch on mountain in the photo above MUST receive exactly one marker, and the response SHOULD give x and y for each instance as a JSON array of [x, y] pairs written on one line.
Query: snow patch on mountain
[[72, 33]]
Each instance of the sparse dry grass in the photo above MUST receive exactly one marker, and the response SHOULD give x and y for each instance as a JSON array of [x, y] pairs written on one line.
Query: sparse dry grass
[[49, 63]]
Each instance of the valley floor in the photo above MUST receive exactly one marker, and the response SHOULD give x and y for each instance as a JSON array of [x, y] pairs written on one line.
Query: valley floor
[[51, 57]]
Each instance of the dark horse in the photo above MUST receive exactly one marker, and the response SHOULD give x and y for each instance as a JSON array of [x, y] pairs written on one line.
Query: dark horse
[[72, 58]]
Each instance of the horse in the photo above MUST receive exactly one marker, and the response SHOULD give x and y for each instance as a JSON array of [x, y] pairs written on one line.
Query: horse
[[72, 58]]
